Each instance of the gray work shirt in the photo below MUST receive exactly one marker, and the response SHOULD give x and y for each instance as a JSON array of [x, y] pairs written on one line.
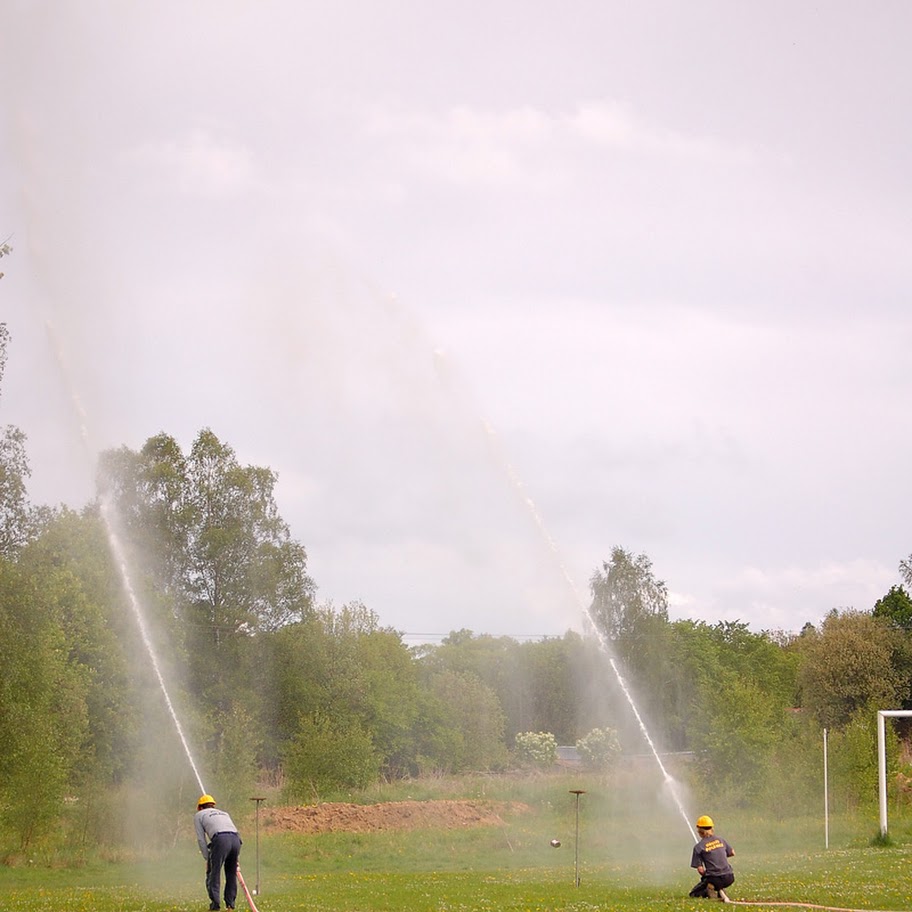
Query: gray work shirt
[[209, 822]]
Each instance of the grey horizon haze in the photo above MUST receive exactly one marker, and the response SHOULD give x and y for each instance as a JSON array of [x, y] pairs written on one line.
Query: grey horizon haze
[[492, 287]]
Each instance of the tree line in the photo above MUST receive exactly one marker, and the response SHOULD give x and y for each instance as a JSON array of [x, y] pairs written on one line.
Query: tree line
[[316, 700]]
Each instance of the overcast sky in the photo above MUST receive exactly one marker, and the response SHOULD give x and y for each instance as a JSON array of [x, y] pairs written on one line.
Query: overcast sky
[[494, 287]]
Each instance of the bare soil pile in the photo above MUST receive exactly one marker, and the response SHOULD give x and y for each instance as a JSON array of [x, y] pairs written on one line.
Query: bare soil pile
[[393, 815]]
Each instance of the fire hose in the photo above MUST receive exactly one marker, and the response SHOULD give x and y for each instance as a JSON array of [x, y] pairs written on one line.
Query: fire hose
[[798, 905], [250, 901]]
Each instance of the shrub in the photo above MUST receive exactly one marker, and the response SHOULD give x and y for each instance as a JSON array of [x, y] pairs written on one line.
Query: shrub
[[600, 748], [538, 748]]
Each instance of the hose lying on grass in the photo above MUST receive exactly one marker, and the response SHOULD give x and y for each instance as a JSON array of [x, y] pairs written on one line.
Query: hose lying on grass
[[798, 905]]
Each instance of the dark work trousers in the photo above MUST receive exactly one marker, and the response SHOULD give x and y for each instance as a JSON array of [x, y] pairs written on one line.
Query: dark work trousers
[[719, 881], [224, 850]]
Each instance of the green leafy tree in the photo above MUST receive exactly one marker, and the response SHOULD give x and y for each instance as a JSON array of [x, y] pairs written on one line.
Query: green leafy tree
[[42, 701], [341, 663], [290, 680], [853, 761], [492, 659], [735, 733], [550, 674], [473, 719], [535, 682], [630, 611], [329, 754], [626, 597], [129, 743], [905, 570], [220, 554], [245, 571], [387, 699], [791, 779], [436, 740], [233, 754], [895, 607], [5, 250], [43, 686], [764, 658], [368, 671], [150, 493], [18, 520], [212, 532], [851, 665], [98, 633]]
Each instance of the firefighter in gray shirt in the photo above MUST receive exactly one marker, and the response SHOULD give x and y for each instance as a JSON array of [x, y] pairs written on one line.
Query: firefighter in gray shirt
[[221, 851]]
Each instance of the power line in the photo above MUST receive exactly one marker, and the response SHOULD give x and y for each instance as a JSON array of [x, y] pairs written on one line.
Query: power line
[[512, 636]]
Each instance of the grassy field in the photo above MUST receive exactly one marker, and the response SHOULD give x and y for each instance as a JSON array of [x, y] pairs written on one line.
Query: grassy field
[[634, 853]]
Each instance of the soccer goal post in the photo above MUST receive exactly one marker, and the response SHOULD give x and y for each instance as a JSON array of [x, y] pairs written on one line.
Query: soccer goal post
[[882, 714]]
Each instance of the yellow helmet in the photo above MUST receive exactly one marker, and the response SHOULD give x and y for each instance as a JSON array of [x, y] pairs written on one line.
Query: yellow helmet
[[208, 799], [704, 822]]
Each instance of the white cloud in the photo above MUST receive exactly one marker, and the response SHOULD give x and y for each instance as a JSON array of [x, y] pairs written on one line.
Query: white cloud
[[685, 347], [201, 164], [785, 597], [528, 145], [464, 145], [834, 577], [612, 125]]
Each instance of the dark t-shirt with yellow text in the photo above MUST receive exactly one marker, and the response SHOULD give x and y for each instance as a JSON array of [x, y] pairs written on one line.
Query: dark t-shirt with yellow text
[[713, 853]]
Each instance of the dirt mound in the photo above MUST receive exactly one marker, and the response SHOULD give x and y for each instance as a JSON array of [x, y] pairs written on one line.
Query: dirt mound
[[393, 815]]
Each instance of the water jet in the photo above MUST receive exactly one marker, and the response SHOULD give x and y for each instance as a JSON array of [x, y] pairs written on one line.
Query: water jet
[[106, 511], [604, 644]]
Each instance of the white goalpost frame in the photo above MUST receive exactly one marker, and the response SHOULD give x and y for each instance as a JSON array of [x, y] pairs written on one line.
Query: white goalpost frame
[[882, 714], [826, 795]]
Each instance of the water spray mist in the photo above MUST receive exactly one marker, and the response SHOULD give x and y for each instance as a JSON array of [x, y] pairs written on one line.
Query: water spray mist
[[604, 644], [117, 552]]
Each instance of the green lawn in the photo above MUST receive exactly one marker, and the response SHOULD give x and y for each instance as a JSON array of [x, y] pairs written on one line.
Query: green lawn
[[861, 878], [628, 860]]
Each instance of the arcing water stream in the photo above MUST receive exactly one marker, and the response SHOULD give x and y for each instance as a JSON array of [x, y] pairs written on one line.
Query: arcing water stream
[[121, 561], [517, 484], [520, 489], [117, 552]]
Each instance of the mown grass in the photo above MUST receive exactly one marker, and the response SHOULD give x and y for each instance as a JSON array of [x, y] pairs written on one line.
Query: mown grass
[[634, 853]]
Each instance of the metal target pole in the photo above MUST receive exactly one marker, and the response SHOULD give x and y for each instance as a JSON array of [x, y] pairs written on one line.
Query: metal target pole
[[577, 792], [256, 889]]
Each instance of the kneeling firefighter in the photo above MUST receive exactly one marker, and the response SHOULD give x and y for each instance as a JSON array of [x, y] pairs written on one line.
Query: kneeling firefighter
[[710, 858]]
